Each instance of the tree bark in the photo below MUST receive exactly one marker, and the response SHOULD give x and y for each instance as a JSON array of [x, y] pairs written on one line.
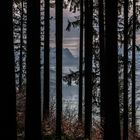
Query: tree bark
[[80, 111], [21, 48], [112, 118], [33, 93], [125, 121], [8, 90], [134, 69], [59, 40], [102, 47], [46, 61], [88, 66]]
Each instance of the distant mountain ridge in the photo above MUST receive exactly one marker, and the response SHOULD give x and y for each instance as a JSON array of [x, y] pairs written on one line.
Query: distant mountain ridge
[[67, 58]]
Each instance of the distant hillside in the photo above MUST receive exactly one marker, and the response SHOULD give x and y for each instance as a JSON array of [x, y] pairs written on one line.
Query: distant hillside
[[68, 58]]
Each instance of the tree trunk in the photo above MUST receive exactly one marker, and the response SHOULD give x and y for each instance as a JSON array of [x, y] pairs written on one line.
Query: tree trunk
[[125, 123], [102, 47], [21, 48], [88, 66], [133, 70], [59, 40], [8, 91], [112, 118], [33, 93], [46, 61], [80, 111]]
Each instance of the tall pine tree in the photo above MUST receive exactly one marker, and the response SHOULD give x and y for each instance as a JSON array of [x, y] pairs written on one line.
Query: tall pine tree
[[21, 46], [133, 69], [46, 61], [33, 100], [102, 47], [81, 64], [112, 118], [88, 65], [8, 91], [125, 121], [59, 40]]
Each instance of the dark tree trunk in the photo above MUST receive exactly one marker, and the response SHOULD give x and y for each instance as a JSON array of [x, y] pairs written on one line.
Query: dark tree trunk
[[59, 38], [88, 66], [125, 121], [80, 111], [21, 48], [112, 118], [133, 70], [46, 61], [8, 91], [102, 47], [33, 93]]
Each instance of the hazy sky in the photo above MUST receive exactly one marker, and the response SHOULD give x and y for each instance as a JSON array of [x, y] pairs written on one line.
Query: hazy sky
[[71, 38]]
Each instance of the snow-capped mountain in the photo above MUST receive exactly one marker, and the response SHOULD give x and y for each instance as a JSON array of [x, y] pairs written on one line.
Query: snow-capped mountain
[[67, 58]]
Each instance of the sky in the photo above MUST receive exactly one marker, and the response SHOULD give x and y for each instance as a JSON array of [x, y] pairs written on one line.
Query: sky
[[70, 38]]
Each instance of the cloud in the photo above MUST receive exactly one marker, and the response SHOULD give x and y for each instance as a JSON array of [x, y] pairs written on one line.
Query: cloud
[[66, 13]]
